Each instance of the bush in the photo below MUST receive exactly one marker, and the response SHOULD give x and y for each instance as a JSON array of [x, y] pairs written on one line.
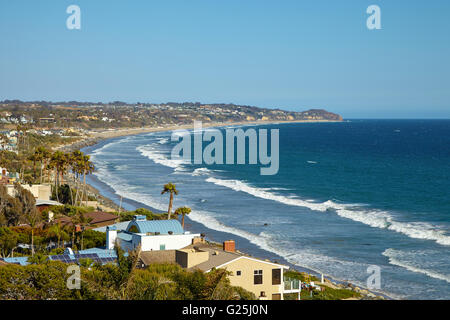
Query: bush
[[93, 239], [35, 282], [128, 215], [329, 294], [56, 251], [68, 210]]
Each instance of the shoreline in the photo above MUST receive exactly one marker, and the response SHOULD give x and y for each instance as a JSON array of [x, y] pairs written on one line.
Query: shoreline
[[103, 136], [97, 136]]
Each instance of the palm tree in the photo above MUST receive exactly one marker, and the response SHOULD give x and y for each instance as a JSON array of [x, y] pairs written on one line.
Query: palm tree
[[33, 158], [42, 155], [170, 188], [77, 170], [59, 163], [33, 218], [88, 168], [58, 231], [183, 211], [80, 220]]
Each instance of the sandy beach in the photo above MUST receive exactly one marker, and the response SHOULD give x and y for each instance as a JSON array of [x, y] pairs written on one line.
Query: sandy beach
[[96, 136]]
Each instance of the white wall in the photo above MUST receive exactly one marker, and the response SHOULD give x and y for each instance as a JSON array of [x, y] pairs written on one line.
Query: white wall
[[39, 191], [111, 237], [172, 242]]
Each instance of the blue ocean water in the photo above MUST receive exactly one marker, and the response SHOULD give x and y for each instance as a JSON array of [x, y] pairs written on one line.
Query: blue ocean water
[[347, 196]]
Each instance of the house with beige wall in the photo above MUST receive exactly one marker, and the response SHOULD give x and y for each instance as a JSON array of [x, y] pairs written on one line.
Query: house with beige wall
[[39, 191], [262, 277]]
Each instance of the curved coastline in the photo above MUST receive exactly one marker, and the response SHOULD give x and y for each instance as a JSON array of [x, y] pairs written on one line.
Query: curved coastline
[[107, 193]]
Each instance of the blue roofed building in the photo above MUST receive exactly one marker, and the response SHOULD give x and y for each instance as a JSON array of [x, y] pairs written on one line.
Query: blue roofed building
[[23, 261], [151, 235]]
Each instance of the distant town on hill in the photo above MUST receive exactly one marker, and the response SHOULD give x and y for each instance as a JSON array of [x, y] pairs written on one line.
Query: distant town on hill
[[117, 114]]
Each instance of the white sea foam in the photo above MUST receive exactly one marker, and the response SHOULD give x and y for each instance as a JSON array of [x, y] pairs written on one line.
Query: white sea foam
[[403, 259], [163, 140], [158, 157], [122, 167], [264, 241], [374, 218], [104, 148], [123, 189], [201, 172]]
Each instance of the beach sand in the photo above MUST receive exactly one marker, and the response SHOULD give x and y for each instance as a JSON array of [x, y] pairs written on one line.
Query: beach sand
[[96, 136]]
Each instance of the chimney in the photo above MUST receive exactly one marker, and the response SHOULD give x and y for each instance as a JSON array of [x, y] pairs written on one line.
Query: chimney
[[229, 246], [111, 236]]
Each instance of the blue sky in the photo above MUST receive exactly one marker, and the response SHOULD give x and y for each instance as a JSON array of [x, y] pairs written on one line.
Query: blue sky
[[288, 54]]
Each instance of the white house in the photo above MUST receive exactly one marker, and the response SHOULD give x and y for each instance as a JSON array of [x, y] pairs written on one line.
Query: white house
[[152, 235]]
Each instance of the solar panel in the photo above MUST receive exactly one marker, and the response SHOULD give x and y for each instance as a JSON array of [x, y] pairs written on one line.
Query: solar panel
[[106, 260]]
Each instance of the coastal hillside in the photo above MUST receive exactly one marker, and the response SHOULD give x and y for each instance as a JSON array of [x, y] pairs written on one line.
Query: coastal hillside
[[87, 115]]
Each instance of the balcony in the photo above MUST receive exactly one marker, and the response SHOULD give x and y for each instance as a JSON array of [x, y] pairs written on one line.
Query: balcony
[[291, 285]]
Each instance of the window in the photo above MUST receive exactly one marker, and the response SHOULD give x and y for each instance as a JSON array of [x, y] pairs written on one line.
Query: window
[[162, 247], [276, 276], [258, 277], [238, 273]]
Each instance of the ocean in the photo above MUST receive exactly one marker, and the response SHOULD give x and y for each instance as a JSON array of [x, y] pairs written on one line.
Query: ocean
[[347, 196]]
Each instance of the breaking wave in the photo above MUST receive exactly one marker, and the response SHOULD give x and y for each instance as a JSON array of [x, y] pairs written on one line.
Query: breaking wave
[[158, 157], [201, 172], [399, 258], [373, 218]]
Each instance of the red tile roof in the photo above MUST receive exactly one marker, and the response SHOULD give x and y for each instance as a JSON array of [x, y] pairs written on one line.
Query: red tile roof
[[93, 218], [100, 216]]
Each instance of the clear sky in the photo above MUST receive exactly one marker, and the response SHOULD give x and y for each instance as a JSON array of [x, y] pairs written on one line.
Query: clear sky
[[289, 54]]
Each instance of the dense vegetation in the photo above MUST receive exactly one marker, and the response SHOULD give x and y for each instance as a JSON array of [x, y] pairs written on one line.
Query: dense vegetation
[[118, 114], [327, 293]]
